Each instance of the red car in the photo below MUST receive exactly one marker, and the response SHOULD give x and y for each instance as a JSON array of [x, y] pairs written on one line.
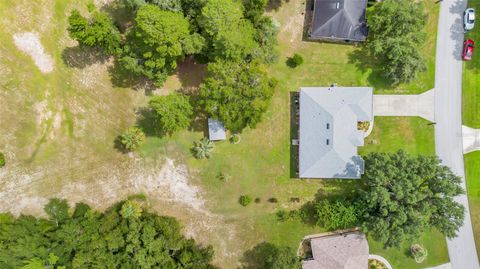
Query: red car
[[468, 49]]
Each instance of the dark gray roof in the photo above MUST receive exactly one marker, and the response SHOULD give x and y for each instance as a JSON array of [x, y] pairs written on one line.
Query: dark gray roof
[[329, 134], [339, 20], [216, 130]]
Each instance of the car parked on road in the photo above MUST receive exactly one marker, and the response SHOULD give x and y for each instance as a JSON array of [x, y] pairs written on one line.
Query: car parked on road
[[469, 19], [468, 46]]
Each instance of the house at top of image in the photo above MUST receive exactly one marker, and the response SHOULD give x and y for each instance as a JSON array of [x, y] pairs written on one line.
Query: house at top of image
[[329, 120], [339, 21]]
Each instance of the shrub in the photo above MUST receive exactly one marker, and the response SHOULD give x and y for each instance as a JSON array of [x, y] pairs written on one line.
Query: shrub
[[171, 112], [295, 60], [132, 138], [282, 215], [332, 215], [418, 252], [245, 200], [235, 138], [257, 200], [363, 125], [2, 160], [203, 149], [273, 200]]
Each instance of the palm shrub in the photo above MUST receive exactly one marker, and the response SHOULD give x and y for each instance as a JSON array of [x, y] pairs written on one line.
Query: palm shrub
[[132, 138], [419, 253], [2, 160], [203, 149]]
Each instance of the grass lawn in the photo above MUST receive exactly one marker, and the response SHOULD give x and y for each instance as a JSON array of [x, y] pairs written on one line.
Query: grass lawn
[[471, 118], [471, 81], [472, 172]]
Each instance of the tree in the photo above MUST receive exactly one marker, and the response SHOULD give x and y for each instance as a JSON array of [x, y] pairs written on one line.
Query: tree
[[133, 138], [338, 214], [230, 35], [100, 240], [268, 256], [396, 34], [266, 37], [236, 93], [57, 210], [2, 160], [203, 148], [157, 42], [254, 9], [98, 31], [407, 195], [131, 209], [172, 5], [172, 112]]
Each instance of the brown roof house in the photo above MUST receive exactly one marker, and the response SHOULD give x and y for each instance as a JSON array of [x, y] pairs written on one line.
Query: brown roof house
[[338, 251]]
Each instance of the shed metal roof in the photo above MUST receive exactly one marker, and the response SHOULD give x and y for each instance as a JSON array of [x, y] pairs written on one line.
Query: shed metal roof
[[216, 130]]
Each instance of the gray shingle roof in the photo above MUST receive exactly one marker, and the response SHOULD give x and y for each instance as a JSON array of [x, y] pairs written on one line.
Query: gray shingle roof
[[339, 19], [329, 135], [343, 251], [216, 130]]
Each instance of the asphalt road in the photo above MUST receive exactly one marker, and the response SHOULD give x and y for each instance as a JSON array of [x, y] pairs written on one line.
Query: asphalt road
[[448, 117]]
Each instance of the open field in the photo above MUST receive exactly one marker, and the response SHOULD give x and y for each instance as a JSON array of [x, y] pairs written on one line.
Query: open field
[[58, 131]]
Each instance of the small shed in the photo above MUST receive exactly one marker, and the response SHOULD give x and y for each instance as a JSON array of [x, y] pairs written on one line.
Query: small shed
[[216, 130]]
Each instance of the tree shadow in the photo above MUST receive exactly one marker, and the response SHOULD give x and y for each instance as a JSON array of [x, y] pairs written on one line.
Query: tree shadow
[[120, 77], [191, 74], [83, 56], [275, 4], [370, 66], [147, 122], [257, 257], [122, 17]]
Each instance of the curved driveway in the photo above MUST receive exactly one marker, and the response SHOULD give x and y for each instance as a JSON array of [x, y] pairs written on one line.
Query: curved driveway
[[448, 117]]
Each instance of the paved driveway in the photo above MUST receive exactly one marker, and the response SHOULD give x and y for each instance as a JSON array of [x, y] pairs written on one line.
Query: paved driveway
[[448, 130], [405, 105], [471, 139]]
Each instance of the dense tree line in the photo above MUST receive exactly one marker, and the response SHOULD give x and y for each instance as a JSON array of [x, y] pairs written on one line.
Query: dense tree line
[[403, 196], [227, 34], [125, 236], [396, 38]]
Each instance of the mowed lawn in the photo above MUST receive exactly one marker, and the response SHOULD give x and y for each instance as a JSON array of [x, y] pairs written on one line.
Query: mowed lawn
[[471, 118]]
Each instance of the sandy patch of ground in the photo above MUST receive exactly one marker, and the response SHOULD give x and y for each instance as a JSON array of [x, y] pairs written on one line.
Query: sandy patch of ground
[[30, 44], [166, 185], [188, 77]]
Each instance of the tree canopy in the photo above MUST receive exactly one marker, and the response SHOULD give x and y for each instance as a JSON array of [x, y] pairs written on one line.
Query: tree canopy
[[98, 31], [396, 38], [157, 42], [89, 239], [172, 112], [406, 195], [269, 256], [236, 93]]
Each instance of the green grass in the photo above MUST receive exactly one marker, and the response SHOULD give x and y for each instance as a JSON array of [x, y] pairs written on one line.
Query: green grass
[[472, 173], [412, 134], [471, 81], [471, 118], [400, 258]]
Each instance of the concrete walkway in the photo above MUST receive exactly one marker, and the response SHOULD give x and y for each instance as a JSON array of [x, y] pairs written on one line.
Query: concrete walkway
[[471, 139], [422, 105], [443, 266], [448, 118]]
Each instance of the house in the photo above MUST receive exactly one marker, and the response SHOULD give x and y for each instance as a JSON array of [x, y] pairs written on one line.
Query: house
[[338, 251], [216, 130], [329, 134], [339, 20]]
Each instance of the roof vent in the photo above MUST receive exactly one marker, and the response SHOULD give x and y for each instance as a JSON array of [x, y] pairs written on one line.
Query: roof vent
[[337, 6], [328, 142]]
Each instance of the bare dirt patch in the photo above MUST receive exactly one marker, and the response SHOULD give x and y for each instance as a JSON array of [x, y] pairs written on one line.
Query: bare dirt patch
[[188, 77], [30, 44]]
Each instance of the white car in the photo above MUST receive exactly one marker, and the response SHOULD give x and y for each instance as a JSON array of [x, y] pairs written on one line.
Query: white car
[[469, 19]]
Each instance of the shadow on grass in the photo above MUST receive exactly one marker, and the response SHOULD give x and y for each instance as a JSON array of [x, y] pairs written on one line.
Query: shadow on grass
[[372, 67], [260, 256], [275, 4], [82, 56]]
